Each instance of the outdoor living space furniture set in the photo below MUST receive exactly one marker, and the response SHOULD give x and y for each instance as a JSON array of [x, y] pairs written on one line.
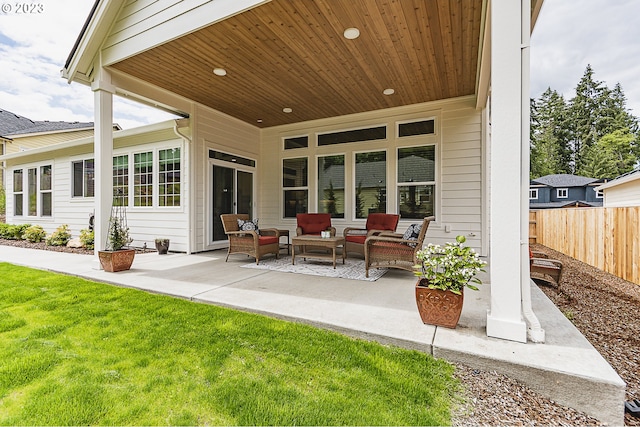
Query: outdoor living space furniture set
[[315, 237]]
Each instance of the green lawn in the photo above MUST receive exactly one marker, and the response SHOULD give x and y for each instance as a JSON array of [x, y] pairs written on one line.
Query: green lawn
[[76, 352]]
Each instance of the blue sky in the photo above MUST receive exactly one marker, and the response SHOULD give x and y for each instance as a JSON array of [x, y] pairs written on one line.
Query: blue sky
[[569, 35]]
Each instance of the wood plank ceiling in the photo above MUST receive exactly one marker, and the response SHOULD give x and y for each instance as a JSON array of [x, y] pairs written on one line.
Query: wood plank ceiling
[[292, 54]]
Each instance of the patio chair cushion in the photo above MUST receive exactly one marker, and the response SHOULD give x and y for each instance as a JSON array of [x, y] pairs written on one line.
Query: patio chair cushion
[[382, 221], [267, 240], [314, 223], [356, 238], [248, 225], [412, 233]]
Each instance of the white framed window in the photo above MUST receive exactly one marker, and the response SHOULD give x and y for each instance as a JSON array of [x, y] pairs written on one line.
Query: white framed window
[[18, 192], [370, 183], [533, 193], [143, 179], [37, 182], [121, 180], [562, 193], [169, 177], [416, 180], [599, 194], [295, 186], [331, 191], [83, 180]]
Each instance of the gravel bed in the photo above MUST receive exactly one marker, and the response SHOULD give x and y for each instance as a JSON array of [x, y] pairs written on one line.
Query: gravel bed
[[605, 308]]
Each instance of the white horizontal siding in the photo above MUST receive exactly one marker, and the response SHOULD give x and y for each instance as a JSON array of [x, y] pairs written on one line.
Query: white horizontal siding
[[627, 194], [216, 131]]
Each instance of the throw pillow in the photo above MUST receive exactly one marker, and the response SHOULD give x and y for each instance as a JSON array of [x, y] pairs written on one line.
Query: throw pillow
[[250, 225], [412, 233]]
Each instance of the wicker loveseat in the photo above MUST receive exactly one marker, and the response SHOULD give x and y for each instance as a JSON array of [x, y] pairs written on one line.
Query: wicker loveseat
[[248, 241], [376, 223], [392, 250]]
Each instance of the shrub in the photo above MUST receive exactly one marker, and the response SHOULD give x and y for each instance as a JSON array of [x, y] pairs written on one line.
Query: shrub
[[3, 201], [87, 237], [34, 234], [13, 232], [60, 237]]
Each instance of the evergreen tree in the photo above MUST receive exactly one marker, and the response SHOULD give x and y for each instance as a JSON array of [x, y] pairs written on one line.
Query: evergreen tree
[[550, 137], [592, 135]]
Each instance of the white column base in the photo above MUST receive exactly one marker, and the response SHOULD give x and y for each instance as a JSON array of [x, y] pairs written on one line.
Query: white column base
[[506, 329]]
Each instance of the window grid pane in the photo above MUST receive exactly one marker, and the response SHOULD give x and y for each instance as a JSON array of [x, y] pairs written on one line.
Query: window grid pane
[[416, 201], [416, 164], [331, 185], [121, 180], [169, 177], [89, 178], [17, 192], [32, 187], [143, 179], [371, 183]]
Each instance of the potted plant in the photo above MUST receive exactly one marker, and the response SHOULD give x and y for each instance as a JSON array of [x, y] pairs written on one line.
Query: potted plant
[[162, 245], [116, 256], [444, 272]]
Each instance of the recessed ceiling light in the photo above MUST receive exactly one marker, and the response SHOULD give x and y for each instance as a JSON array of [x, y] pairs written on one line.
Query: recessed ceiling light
[[351, 33], [389, 91], [220, 72], [259, 120], [287, 110]]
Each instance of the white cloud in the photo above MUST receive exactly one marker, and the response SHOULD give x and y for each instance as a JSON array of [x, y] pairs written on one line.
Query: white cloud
[[570, 34], [33, 50]]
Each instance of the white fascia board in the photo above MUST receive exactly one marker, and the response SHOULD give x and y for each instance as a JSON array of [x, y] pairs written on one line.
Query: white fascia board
[[625, 179], [87, 50], [167, 125], [187, 18]]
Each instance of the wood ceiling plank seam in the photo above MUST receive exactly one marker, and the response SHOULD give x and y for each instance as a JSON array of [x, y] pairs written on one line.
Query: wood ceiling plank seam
[[438, 48], [348, 54], [447, 45], [471, 40], [429, 60], [414, 83], [374, 60]]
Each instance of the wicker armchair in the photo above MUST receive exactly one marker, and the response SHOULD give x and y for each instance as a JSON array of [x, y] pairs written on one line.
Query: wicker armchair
[[391, 250], [543, 269], [376, 223], [249, 242]]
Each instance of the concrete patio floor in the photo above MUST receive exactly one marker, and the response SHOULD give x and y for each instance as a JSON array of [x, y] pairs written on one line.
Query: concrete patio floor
[[566, 368]]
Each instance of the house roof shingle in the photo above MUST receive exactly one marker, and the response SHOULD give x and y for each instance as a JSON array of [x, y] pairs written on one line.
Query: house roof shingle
[[563, 180], [12, 124]]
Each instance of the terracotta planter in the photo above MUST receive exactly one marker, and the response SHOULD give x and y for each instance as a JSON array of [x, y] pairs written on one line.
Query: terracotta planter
[[436, 307], [113, 261]]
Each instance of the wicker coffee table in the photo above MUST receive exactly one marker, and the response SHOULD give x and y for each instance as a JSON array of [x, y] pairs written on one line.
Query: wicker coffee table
[[305, 242]]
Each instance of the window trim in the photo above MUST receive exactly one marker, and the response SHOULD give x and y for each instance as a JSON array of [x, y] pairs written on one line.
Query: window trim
[[416, 119], [561, 191], [533, 194], [21, 192], [180, 182], [83, 161], [355, 183], [283, 188], [25, 168], [317, 184], [436, 175], [599, 194]]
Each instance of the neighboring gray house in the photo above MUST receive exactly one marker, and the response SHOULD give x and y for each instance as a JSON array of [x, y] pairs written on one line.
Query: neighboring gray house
[[564, 191]]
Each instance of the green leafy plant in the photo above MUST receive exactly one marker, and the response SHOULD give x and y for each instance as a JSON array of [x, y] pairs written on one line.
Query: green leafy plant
[[450, 267], [13, 231], [34, 234], [118, 232], [60, 237], [87, 238], [3, 201]]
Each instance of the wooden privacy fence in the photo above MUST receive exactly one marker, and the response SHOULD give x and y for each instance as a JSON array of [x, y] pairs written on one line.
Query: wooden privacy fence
[[606, 238]]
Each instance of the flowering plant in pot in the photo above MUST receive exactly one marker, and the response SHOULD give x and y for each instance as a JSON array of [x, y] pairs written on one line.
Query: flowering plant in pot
[[444, 272]]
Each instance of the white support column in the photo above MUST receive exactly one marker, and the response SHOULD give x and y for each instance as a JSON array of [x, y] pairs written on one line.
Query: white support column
[[103, 156], [504, 319]]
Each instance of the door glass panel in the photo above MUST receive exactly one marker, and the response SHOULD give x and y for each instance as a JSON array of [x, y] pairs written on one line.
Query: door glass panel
[[245, 193], [223, 192]]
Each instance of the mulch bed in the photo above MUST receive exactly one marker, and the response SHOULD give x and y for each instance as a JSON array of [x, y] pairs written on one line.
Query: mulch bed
[[606, 309]]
